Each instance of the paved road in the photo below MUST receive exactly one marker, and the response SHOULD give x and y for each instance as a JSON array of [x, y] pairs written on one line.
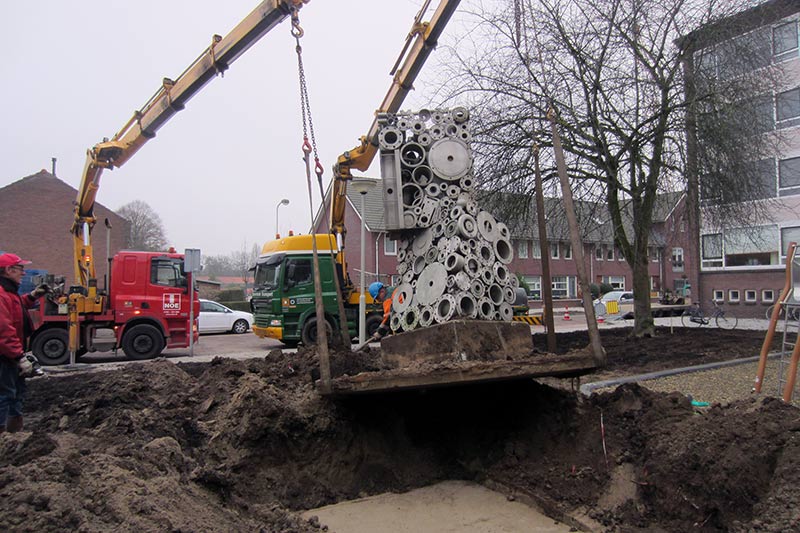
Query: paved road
[[247, 345]]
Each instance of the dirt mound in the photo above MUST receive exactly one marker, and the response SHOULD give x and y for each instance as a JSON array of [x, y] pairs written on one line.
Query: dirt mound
[[242, 445]]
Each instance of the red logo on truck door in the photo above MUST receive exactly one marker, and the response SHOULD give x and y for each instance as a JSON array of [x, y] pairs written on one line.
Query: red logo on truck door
[[172, 304]]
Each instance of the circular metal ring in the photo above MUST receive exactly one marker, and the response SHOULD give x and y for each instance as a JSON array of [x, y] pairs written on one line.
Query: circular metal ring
[[425, 139], [412, 154], [495, 293], [410, 319], [506, 311], [466, 305], [390, 138], [467, 226], [433, 190], [412, 195], [473, 267], [485, 308], [477, 289], [503, 251], [450, 159], [501, 273], [394, 323], [487, 226], [422, 175], [444, 309], [460, 114], [509, 295], [454, 262], [403, 299], [426, 316]]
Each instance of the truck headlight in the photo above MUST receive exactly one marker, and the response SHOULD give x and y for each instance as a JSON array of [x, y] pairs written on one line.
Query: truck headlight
[[275, 323]]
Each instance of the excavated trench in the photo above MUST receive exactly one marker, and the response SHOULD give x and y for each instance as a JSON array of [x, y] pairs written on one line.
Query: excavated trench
[[249, 445]]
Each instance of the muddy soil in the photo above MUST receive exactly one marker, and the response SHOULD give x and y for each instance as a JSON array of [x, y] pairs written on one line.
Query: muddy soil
[[246, 445]]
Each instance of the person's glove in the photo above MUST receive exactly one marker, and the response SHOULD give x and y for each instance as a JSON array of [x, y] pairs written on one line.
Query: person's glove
[[377, 336], [25, 367], [41, 290]]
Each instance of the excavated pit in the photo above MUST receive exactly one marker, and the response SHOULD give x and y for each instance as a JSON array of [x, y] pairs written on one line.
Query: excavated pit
[[248, 445]]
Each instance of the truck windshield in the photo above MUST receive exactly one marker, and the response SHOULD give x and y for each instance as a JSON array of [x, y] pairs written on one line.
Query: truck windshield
[[268, 272]]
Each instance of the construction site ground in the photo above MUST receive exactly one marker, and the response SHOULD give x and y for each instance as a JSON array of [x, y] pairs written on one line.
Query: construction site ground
[[245, 443]]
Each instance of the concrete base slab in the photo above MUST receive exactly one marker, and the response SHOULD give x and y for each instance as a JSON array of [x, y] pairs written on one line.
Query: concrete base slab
[[459, 340]]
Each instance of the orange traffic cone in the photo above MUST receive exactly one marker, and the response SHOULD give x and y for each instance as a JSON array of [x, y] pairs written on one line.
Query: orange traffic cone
[[566, 314]]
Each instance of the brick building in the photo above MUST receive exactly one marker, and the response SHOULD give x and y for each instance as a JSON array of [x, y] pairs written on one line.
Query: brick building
[[36, 214], [744, 266]]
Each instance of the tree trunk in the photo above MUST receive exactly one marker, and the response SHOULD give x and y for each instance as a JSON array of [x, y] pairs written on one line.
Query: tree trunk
[[643, 325]]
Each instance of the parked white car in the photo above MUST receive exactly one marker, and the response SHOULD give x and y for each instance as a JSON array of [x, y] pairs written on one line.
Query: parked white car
[[215, 318], [621, 297]]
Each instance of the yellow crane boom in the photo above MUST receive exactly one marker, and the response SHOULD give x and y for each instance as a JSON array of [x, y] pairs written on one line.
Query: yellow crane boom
[[170, 98]]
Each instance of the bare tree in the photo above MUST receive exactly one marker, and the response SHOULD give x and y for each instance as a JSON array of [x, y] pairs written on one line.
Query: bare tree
[[147, 230], [613, 74]]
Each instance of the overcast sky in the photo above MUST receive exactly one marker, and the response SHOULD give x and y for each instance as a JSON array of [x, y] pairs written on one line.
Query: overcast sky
[[74, 72]]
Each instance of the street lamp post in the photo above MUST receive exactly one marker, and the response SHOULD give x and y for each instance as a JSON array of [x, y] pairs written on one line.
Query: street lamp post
[[362, 187], [282, 202]]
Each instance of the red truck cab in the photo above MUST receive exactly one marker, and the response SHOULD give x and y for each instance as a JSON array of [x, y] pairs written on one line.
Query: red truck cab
[[145, 310]]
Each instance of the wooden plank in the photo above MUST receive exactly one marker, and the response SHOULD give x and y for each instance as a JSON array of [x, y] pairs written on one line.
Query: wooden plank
[[452, 374]]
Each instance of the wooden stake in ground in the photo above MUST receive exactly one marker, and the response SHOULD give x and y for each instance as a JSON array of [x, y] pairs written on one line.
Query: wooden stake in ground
[[598, 352], [544, 248]]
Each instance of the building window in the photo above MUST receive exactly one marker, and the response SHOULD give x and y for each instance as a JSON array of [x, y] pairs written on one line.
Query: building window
[[554, 250], [750, 296], [620, 255], [789, 234], [784, 38], [677, 259], [718, 295], [733, 295], [788, 104], [563, 286], [537, 250], [654, 254], [522, 249], [767, 295], [789, 172], [389, 246], [567, 251], [617, 282], [712, 250], [598, 252], [534, 286], [610, 253]]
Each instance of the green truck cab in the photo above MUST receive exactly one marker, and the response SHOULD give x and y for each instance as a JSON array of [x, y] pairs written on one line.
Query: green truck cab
[[283, 293]]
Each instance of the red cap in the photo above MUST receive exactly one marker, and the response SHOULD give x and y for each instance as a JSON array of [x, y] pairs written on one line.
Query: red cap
[[7, 260]]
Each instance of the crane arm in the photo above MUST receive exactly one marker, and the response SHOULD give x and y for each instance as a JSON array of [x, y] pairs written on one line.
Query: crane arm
[[170, 98], [420, 42]]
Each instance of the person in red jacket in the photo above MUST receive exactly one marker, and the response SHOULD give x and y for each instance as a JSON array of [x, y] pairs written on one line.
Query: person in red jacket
[[15, 329]]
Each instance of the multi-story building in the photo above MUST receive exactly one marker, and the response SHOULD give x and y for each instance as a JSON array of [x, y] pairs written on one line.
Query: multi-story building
[[744, 266]]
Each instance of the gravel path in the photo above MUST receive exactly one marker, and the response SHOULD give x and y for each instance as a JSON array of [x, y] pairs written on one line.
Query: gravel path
[[720, 385]]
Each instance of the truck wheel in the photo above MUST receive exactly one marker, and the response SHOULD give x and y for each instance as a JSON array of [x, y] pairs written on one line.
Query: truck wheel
[[373, 322], [240, 326], [51, 347], [309, 333], [142, 342]]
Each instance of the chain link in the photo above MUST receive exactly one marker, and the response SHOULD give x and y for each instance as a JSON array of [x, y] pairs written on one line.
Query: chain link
[[305, 103]]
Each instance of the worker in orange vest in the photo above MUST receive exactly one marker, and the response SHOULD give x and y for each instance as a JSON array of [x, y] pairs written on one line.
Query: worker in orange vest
[[378, 291]]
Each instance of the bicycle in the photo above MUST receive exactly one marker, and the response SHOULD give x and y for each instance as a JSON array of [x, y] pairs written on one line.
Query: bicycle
[[695, 316], [794, 312]]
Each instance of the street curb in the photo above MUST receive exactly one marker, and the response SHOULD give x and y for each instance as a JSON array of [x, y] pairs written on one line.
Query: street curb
[[587, 388]]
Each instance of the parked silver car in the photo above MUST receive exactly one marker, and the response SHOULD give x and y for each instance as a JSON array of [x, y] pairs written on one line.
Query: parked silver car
[[216, 318]]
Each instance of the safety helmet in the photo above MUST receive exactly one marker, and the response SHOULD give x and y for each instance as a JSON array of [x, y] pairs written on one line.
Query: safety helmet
[[375, 288]]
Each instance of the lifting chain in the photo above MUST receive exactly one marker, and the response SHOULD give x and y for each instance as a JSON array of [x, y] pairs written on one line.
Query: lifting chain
[[305, 104]]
